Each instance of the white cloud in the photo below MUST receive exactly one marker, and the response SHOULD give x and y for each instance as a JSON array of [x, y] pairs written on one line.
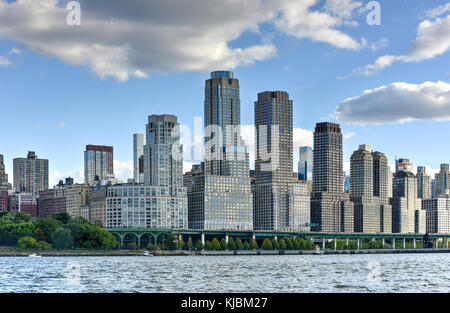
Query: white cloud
[[349, 135], [433, 39], [298, 20], [123, 170], [56, 176], [397, 102], [133, 38], [440, 10]]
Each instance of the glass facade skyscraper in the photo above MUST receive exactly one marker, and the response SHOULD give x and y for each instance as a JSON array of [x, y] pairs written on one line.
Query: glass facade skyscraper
[[221, 198], [98, 163], [305, 163]]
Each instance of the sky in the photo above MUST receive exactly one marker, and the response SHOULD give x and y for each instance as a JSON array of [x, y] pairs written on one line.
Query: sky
[[63, 86]]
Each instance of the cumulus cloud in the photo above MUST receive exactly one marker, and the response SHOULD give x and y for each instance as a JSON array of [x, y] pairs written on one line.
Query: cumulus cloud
[[123, 170], [56, 176], [397, 102], [133, 38], [433, 39]]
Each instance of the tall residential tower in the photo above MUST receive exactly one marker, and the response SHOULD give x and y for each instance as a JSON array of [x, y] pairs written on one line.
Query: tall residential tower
[[331, 209], [274, 152], [30, 174]]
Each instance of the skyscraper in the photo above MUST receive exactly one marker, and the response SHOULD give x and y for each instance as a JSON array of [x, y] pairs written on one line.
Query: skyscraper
[[163, 163], [3, 176], [305, 163], [368, 191], [161, 202], [331, 209], [138, 159], [30, 174], [273, 164], [403, 164], [405, 203], [382, 188], [423, 183], [442, 181], [221, 197], [98, 163]]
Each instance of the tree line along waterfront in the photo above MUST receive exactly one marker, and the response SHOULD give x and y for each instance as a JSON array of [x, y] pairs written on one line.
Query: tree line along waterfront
[[62, 232], [59, 231]]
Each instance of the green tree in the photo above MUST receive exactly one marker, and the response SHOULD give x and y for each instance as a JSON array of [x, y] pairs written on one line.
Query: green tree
[[253, 244], [6, 216], [296, 242], [47, 226], [62, 239], [223, 244], [215, 244], [283, 245], [98, 223], [289, 244], [43, 245], [276, 244], [62, 217], [27, 242], [21, 217], [267, 244], [181, 244], [231, 244], [170, 242], [208, 245], [239, 244], [199, 245], [189, 244], [150, 247]]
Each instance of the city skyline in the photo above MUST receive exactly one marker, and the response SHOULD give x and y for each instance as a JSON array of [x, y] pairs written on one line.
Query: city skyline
[[60, 93]]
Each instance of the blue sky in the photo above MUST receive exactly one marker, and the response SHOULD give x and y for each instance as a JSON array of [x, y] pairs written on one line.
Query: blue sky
[[63, 87]]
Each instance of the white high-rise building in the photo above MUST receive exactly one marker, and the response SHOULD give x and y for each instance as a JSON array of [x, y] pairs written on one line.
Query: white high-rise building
[[161, 202]]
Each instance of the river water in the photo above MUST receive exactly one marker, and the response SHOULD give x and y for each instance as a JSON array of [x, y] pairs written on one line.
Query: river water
[[295, 273]]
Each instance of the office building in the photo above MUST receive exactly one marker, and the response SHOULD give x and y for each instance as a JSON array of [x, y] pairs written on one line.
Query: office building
[[442, 181], [423, 183], [331, 209], [98, 163], [221, 197], [138, 158], [30, 174], [305, 163]]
